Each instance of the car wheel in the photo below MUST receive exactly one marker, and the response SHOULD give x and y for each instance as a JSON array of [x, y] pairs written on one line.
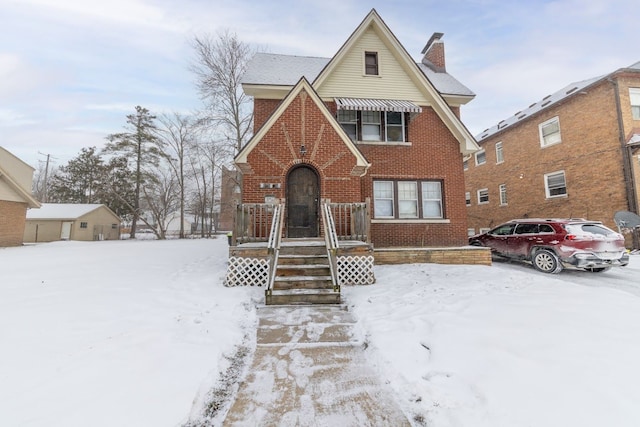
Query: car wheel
[[546, 261], [475, 243], [597, 270]]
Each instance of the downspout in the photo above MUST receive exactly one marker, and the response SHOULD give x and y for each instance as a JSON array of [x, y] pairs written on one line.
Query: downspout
[[632, 197]]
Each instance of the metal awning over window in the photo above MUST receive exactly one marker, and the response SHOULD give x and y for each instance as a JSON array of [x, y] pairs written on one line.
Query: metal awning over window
[[365, 104]]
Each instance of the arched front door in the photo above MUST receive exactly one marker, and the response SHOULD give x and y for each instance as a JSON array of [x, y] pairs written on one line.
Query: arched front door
[[303, 194]]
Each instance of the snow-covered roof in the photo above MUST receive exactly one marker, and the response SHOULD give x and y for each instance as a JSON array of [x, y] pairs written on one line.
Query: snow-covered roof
[[286, 70], [62, 210], [546, 102]]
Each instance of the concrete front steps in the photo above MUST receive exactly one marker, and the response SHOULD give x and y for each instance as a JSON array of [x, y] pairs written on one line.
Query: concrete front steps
[[303, 275]]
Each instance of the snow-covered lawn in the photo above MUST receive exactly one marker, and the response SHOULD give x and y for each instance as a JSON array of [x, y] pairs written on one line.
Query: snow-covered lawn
[[132, 333]]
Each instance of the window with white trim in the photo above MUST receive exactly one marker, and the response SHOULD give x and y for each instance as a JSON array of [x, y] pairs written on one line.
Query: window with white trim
[[348, 119], [550, 132], [408, 199], [467, 198], [432, 199], [499, 154], [465, 165], [555, 184], [503, 194], [371, 126], [481, 158], [383, 199], [483, 196], [634, 97], [394, 126]]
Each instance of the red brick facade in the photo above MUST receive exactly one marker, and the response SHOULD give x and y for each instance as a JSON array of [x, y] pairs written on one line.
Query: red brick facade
[[591, 154], [12, 221], [434, 154]]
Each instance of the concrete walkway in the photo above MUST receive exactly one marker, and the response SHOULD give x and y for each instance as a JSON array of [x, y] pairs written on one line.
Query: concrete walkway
[[309, 371]]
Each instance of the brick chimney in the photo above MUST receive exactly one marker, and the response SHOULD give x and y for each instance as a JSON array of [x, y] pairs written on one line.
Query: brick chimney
[[434, 53]]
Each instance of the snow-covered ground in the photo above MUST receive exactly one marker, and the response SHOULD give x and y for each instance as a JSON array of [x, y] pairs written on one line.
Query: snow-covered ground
[[132, 333]]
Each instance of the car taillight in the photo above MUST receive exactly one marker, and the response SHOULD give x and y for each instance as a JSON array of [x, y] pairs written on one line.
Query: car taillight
[[570, 237]]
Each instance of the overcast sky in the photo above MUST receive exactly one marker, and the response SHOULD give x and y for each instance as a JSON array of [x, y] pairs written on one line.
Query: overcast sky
[[71, 70]]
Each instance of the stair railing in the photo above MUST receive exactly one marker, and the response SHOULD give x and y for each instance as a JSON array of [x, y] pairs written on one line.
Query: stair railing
[[352, 221], [273, 244], [332, 243]]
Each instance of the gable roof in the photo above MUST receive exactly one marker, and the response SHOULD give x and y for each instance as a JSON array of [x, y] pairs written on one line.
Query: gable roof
[[64, 211], [302, 85], [13, 182], [417, 74], [271, 69], [548, 102]]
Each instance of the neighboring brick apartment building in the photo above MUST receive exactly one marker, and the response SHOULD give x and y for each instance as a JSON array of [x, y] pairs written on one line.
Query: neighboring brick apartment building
[[16, 178], [575, 153], [368, 123]]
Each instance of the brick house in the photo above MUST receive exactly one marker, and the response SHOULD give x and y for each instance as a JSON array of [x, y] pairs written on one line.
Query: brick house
[[367, 124], [575, 153], [16, 178]]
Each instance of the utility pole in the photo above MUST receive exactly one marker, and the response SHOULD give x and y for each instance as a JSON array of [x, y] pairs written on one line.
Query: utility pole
[[46, 178]]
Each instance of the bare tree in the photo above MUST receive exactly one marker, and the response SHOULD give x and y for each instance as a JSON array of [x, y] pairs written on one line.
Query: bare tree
[[219, 66], [177, 132], [161, 198]]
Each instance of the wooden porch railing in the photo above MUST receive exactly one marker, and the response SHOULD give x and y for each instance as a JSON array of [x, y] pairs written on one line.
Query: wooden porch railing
[[352, 221], [253, 222]]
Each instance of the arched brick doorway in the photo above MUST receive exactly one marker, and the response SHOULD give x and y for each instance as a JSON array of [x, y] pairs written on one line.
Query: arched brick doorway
[[303, 195]]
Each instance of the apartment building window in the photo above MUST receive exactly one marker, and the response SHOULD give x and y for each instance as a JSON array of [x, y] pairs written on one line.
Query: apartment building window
[[371, 63], [465, 164], [483, 196], [83, 225], [481, 158], [634, 96], [471, 232], [467, 198], [348, 119], [555, 184], [499, 155], [402, 200], [550, 132], [503, 194]]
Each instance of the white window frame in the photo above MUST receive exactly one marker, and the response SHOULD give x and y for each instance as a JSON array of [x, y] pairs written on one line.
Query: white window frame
[[502, 189], [426, 200], [467, 198], [481, 152], [483, 191], [634, 100], [552, 138], [372, 123], [376, 198], [471, 232], [407, 196], [484, 230], [465, 164], [499, 153], [547, 190]]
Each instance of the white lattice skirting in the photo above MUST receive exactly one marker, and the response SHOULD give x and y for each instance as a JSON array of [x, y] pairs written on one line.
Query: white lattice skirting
[[247, 272], [355, 270]]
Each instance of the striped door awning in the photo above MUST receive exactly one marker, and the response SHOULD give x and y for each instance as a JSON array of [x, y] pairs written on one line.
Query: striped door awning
[[366, 104]]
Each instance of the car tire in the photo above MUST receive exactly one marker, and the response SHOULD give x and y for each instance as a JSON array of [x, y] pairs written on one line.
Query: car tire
[[546, 261], [597, 269]]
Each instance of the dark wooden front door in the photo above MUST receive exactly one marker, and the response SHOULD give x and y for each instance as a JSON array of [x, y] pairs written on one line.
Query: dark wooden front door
[[302, 202]]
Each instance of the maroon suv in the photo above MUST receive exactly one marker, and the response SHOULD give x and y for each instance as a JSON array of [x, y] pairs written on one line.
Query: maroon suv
[[551, 244]]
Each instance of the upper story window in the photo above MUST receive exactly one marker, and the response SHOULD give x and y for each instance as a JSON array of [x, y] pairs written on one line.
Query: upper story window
[[408, 199], [481, 158], [634, 96], [550, 132], [373, 126], [555, 184], [499, 154], [348, 119], [503, 194], [465, 164], [467, 198], [371, 63]]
